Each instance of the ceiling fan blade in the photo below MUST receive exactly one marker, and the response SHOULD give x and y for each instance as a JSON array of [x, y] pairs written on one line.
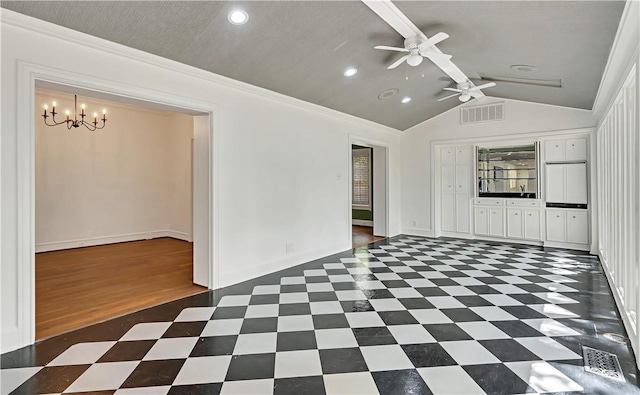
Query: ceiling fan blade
[[398, 62], [435, 55], [434, 40], [448, 97], [384, 47], [483, 86], [394, 17], [453, 90], [475, 93]]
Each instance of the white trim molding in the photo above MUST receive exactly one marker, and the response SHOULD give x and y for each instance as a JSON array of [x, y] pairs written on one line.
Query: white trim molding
[[96, 241], [362, 222]]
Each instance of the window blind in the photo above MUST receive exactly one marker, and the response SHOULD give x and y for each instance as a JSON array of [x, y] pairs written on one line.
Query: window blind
[[361, 179]]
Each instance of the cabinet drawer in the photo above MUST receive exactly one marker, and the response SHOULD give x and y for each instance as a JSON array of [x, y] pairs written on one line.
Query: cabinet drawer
[[554, 151], [488, 202], [524, 203], [576, 149]]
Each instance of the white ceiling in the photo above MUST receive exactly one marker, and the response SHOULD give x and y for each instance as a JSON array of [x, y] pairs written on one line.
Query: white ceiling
[[301, 48]]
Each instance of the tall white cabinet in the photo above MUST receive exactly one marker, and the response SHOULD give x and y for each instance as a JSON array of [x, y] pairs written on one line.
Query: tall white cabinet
[[456, 165]]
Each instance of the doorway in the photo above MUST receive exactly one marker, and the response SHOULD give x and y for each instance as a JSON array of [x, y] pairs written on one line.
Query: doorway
[[114, 214]]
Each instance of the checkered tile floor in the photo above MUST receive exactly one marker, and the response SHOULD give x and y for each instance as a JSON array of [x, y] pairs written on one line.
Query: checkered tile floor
[[406, 315]]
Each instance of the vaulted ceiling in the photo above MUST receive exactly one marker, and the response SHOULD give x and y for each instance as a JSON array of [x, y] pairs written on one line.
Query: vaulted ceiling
[[302, 48]]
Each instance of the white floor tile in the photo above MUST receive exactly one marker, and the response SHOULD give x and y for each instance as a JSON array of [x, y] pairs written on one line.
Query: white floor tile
[[457, 290], [103, 376], [350, 384], [450, 380], [350, 295], [262, 310], [405, 293], [481, 330], [555, 287], [543, 377], [195, 314], [467, 281], [387, 276], [159, 390], [292, 280], [248, 387], [82, 353], [234, 300], [410, 334], [10, 379], [329, 307], [315, 273], [173, 348], [319, 287], [555, 298], [508, 289], [387, 304], [341, 278], [553, 311], [371, 285], [222, 327], [349, 260], [295, 323], [336, 265], [432, 275], [146, 331], [359, 270], [298, 364], [420, 283], [469, 352], [445, 302], [335, 338], [476, 273], [294, 297], [493, 313], [383, 358], [200, 370], [401, 269], [547, 348], [551, 327], [364, 319], [266, 289], [501, 300], [430, 316], [255, 343]]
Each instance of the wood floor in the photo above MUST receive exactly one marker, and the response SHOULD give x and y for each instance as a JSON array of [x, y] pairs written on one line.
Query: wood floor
[[83, 286], [363, 235]]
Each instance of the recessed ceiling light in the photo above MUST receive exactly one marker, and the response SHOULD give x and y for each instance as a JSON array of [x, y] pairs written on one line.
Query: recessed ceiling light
[[238, 17], [387, 93], [406, 100], [524, 68], [351, 71]]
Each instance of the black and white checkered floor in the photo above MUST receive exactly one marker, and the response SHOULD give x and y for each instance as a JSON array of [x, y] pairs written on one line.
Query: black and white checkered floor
[[405, 315]]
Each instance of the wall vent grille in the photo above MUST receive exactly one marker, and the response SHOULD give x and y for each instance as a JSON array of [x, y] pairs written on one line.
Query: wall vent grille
[[602, 363], [486, 113]]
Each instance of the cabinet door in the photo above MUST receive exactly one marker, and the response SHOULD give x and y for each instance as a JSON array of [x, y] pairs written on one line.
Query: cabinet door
[[554, 151], [496, 222], [514, 223], [448, 156], [576, 149], [532, 225], [448, 181], [463, 155], [462, 213], [481, 220], [576, 183], [555, 185], [556, 225], [577, 227], [448, 212], [462, 178]]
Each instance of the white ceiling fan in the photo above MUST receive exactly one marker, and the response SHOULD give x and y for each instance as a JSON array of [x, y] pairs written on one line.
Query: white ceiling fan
[[418, 47], [466, 92]]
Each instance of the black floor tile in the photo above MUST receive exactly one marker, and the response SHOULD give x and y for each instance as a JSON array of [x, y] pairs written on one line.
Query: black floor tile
[[249, 367], [522, 312], [342, 360], [196, 389], [373, 336], [329, 321], [127, 351], [295, 309], [517, 329], [289, 341], [259, 325], [473, 300], [185, 329], [378, 294], [508, 350], [400, 382], [54, 379], [353, 306], [224, 313], [264, 299], [462, 315], [432, 291], [497, 379], [428, 355], [447, 332], [217, 345], [313, 385], [322, 296], [416, 303], [397, 317], [154, 373]]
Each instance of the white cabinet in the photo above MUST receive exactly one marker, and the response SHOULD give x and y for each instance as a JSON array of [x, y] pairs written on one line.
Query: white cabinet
[[496, 222], [566, 183], [488, 221], [455, 184], [508, 218], [567, 150], [481, 220], [568, 226], [532, 229], [514, 223]]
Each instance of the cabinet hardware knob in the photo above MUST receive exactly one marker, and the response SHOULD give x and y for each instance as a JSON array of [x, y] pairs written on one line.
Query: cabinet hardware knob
[[556, 145], [516, 213], [557, 216], [529, 215], [574, 216]]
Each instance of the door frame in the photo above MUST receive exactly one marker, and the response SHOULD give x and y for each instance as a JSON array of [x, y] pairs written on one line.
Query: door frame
[[27, 75]]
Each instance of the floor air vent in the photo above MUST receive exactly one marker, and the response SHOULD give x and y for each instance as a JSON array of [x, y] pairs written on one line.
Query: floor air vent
[[602, 363], [486, 113]]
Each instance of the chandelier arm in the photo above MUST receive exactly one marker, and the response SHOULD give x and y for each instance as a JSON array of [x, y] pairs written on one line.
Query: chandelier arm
[[89, 126]]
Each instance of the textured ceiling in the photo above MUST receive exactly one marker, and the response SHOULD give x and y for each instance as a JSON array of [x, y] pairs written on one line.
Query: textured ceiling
[[301, 48]]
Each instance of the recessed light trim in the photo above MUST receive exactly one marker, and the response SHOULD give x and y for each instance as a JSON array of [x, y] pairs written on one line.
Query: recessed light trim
[[351, 71], [405, 100], [238, 17], [384, 95], [524, 68]]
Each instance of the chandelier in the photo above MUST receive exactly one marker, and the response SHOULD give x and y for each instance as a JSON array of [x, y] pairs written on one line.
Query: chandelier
[[75, 122]]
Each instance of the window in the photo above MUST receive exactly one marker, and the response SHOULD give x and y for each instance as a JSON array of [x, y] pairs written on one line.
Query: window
[[361, 183], [508, 172]]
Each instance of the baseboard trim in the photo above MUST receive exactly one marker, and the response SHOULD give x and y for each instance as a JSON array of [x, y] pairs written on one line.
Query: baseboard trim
[[568, 246], [96, 241], [362, 222], [418, 232]]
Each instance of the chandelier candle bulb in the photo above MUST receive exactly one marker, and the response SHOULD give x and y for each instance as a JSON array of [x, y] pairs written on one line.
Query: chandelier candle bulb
[[95, 117], [67, 112]]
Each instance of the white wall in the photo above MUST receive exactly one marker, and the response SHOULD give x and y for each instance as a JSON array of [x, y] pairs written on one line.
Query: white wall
[[129, 181], [280, 165], [521, 118], [618, 176]]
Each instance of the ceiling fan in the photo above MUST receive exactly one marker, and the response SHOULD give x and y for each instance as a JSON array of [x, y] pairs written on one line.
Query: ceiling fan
[[465, 91], [417, 48]]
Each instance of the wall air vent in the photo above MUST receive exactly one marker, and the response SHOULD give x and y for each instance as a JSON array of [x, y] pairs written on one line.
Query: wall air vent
[[485, 113]]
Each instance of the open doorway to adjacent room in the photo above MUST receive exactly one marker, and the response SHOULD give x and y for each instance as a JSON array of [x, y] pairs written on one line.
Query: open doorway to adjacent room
[[114, 209], [368, 194]]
